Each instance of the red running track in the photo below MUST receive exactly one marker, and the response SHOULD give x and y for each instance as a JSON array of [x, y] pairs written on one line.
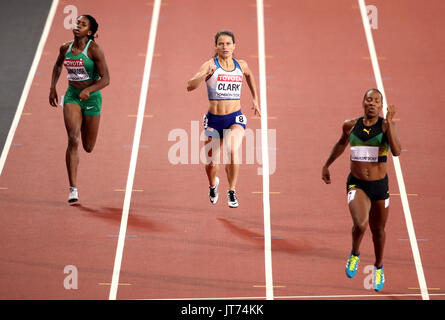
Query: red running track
[[177, 244], [40, 233]]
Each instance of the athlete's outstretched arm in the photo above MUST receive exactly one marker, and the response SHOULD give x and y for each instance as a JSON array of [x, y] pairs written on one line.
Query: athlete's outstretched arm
[[205, 70], [337, 150], [57, 69], [252, 86]]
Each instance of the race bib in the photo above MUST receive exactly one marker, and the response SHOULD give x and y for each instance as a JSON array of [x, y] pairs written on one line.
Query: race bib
[[205, 121], [76, 70], [365, 154], [351, 195], [241, 119], [229, 86]]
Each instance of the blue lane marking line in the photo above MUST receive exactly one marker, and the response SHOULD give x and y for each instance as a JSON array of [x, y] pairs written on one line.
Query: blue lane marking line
[[424, 239]]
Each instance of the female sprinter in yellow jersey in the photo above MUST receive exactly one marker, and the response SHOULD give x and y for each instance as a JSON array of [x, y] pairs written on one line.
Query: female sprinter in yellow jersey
[[370, 138], [224, 77], [82, 103]]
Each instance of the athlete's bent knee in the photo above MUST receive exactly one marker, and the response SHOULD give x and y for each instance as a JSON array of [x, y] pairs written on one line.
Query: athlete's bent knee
[[73, 139], [360, 227], [88, 148], [378, 231], [212, 164]]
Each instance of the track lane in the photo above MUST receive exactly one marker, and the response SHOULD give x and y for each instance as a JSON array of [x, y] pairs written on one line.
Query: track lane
[[321, 71], [409, 43], [174, 248], [185, 247], [41, 233]]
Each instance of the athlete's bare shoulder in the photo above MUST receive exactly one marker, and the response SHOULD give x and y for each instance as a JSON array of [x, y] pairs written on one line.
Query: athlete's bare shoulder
[[95, 51], [64, 47], [243, 64], [244, 67], [349, 124], [208, 64], [62, 52], [66, 44], [94, 46]]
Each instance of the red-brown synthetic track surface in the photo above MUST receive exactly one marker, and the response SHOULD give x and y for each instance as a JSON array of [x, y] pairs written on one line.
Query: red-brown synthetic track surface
[[178, 245]]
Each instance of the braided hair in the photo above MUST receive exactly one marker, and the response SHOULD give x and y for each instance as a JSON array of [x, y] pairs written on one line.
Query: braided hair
[[93, 26], [373, 89]]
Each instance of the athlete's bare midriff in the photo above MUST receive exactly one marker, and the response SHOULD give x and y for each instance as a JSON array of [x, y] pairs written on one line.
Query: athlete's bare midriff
[[80, 85], [222, 107], [368, 171]]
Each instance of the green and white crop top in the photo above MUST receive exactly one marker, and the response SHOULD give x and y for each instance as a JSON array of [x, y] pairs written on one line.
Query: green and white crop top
[[80, 67]]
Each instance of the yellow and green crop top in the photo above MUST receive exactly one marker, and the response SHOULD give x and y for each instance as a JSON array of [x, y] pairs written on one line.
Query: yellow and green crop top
[[368, 144]]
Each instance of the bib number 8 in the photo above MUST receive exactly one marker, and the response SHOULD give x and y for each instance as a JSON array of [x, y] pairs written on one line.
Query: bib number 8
[[241, 119]]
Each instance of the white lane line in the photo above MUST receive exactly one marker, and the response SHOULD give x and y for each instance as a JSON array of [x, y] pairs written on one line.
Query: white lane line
[[398, 169], [265, 154], [135, 149], [28, 83]]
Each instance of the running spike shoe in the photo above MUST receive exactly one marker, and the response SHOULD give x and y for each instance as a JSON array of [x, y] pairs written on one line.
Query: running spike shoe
[[378, 279], [73, 196], [351, 265], [213, 192], [231, 199]]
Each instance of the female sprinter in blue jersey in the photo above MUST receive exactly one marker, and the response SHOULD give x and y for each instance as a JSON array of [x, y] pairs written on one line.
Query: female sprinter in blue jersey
[[224, 121], [370, 138]]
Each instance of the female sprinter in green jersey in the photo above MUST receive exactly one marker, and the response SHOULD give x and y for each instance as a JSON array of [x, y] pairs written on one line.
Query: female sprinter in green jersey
[[87, 74], [370, 137]]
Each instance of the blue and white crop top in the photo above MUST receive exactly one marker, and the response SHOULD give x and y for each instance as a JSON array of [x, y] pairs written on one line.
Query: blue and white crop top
[[223, 84]]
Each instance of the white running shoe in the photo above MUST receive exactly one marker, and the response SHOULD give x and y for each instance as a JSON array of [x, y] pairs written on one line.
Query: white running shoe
[[213, 192], [73, 196], [231, 199]]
